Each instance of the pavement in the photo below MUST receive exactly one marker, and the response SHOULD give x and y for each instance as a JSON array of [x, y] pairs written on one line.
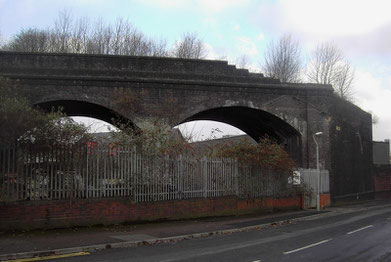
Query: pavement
[[30, 244]]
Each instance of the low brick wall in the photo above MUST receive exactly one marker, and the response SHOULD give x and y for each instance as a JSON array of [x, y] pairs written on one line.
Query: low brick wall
[[382, 181], [325, 200], [382, 178], [84, 212]]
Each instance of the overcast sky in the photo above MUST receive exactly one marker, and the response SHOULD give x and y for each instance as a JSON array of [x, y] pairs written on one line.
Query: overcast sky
[[231, 28]]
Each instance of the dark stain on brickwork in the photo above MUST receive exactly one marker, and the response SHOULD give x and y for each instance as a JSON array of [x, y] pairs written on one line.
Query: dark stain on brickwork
[[209, 90]]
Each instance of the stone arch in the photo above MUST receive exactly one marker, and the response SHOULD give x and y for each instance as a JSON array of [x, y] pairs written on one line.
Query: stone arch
[[87, 109], [256, 123]]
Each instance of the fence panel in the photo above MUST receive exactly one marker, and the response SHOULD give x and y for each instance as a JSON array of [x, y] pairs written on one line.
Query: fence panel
[[107, 171], [310, 179]]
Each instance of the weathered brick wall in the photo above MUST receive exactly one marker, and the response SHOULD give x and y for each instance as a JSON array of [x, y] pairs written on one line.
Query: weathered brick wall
[[382, 181], [382, 178], [81, 212], [325, 200], [350, 138], [208, 90]]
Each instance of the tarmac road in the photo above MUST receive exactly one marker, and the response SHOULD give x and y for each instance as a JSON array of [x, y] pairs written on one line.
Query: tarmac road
[[363, 235]]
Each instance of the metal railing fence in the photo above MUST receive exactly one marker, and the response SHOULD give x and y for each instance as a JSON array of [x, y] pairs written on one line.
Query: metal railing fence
[[106, 171]]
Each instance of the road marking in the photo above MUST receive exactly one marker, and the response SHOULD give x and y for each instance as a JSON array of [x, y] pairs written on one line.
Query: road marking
[[51, 257], [312, 245], [354, 231], [214, 250], [257, 261]]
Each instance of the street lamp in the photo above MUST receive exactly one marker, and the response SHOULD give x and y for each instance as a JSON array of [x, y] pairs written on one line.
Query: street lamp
[[317, 168]]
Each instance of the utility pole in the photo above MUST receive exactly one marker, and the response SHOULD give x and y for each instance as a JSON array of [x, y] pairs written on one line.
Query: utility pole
[[317, 169]]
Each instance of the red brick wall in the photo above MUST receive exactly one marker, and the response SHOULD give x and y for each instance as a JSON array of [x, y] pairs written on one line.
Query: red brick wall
[[65, 213], [382, 181], [382, 178], [325, 200]]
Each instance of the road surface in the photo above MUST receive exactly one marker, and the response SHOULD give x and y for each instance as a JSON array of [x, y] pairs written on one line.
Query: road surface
[[363, 235]]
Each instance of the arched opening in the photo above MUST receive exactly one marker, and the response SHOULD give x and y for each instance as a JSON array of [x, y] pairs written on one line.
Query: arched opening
[[95, 125], [257, 124], [199, 130], [74, 108]]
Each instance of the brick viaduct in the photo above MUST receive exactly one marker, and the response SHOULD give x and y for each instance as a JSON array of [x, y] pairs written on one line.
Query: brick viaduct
[[207, 90]]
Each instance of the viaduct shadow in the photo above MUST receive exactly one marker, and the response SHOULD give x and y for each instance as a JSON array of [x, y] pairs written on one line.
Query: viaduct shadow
[[257, 124], [86, 109]]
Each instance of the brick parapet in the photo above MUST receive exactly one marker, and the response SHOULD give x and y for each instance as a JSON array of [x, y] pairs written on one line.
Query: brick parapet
[[84, 212]]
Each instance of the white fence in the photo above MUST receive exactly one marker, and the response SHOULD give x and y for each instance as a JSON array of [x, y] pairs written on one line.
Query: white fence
[[92, 172], [310, 178]]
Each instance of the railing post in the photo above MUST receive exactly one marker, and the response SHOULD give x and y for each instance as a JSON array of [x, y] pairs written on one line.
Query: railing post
[[204, 175], [236, 177], [86, 185], [180, 178]]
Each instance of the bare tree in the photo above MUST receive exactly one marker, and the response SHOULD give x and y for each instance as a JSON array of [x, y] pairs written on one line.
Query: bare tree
[[190, 46], [135, 43], [61, 33], [120, 31], [328, 66], [343, 82], [99, 41], [159, 47], [375, 118], [242, 61], [80, 36], [323, 63], [128, 40], [283, 60], [29, 40], [83, 37], [1, 41]]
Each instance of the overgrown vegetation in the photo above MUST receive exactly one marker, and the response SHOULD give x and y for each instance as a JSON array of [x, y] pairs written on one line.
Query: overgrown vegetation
[[20, 122], [151, 129], [152, 134], [59, 132], [266, 154], [57, 143]]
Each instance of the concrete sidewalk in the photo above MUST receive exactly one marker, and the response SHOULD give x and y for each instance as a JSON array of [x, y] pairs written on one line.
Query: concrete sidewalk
[[63, 241]]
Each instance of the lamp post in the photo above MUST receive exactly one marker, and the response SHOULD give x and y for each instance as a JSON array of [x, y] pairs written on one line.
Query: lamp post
[[317, 168]]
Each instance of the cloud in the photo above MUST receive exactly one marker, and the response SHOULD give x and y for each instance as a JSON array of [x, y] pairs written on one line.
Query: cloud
[[362, 29], [246, 46], [210, 22], [336, 17], [326, 17], [88, 2], [357, 26], [211, 53], [372, 95], [376, 42], [236, 27], [260, 37], [164, 3], [205, 5], [218, 6]]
